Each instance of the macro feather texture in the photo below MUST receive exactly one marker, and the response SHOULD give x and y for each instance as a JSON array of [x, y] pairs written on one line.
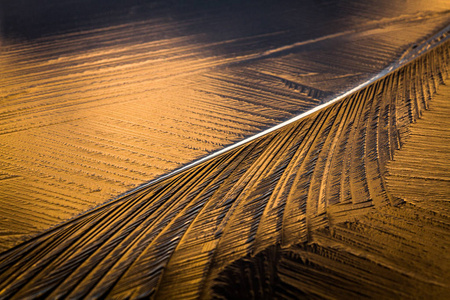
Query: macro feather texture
[[305, 210], [99, 97]]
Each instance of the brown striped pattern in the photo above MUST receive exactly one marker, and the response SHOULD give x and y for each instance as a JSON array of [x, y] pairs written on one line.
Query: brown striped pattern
[[315, 182], [89, 115]]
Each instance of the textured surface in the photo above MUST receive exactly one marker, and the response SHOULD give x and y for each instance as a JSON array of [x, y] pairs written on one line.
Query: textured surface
[[420, 172], [399, 252], [95, 102], [304, 210]]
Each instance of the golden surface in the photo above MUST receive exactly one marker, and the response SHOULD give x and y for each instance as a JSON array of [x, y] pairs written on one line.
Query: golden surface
[[86, 116], [304, 211]]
